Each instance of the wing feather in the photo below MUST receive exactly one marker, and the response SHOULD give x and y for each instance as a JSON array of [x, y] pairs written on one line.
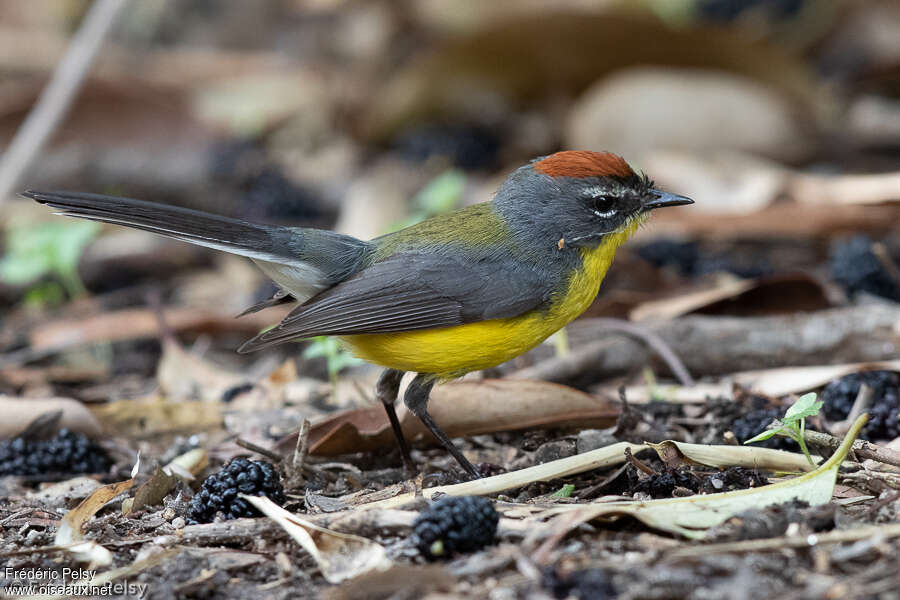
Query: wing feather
[[409, 291]]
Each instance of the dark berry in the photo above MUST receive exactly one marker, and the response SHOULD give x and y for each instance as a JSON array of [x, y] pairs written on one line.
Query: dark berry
[[666, 252], [589, 584], [755, 422], [65, 453], [732, 478], [219, 492], [455, 524], [855, 266], [839, 395], [462, 146], [663, 484]]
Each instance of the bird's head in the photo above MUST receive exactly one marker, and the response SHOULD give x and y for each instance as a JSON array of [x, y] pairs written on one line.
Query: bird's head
[[579, 197]]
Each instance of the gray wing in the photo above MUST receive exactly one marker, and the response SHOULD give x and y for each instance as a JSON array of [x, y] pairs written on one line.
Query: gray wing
[[409, 291]]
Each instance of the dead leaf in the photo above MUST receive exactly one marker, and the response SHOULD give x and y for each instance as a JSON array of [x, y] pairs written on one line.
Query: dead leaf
[[791, 380], [69, 533], [340, 556], [692, 515], [152, 491], [137, 323], [463, 408], [779, 294], [722, 456], [19, 412], [410, 581], [185, 376], [155, 415], [595, 459]]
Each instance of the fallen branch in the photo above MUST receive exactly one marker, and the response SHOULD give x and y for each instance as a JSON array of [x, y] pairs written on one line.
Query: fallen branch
[[56, 98], [711, 345], [861, 448]]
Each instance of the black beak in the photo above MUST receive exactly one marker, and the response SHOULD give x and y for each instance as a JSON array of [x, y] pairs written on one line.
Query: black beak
[[660, 199]]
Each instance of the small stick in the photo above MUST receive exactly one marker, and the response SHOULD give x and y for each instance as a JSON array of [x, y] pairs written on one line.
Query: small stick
[[884, 257], [57, 97], [861, 448], [301, 450], [860, 405], [258, 449], [780, 543]]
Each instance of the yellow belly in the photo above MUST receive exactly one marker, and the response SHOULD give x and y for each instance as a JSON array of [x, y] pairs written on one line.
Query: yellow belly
[[449, 352]]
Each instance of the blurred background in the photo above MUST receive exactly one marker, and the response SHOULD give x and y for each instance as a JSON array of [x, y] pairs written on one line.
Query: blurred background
[[781, 118]]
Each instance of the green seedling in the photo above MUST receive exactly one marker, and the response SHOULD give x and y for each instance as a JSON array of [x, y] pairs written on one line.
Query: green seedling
[[793, 424], [336, 357], [564, 492], [36, 251]]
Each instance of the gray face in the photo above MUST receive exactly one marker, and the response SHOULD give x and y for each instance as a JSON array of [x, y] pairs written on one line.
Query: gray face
[[601, 205], [579, 211]]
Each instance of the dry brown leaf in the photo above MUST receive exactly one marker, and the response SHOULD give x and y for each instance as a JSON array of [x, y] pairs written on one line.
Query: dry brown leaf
[[792, 380], [504, 64], [19, 412], [152, 491], [69, 533], [340, 556], [464, 408], [185, 376], [410, 581], [751, 457], [155, 415], [779, 294], [674, 306], [138, 323]]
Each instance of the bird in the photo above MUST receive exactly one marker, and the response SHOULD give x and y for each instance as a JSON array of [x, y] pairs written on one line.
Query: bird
[[459, 292]]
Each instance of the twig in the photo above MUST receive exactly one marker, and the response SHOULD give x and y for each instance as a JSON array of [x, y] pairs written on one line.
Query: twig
[[779, 543], [300, 452], [580, 359], [258, 449], [884, 257], [861, 448], [860, 405], [57, 97]]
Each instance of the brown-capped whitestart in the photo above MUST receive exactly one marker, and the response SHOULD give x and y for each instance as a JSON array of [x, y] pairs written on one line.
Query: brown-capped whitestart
[[459, 292]]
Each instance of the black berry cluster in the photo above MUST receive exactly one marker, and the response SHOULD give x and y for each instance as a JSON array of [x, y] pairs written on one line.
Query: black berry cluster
[[219, 492], [839, 395], [455, 524], [755, 422], [65, 453], [663, 484]]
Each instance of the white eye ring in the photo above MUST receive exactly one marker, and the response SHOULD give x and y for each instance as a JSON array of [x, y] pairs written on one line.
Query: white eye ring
[[606, 214]]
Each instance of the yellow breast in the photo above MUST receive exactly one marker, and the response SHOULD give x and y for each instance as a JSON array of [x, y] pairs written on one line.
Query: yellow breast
[[449, 352]]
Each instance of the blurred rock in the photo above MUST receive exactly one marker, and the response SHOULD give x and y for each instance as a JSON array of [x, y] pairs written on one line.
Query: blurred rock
[[720, 182], [378, 199], [643, 109], [591, 439], [554, 450]]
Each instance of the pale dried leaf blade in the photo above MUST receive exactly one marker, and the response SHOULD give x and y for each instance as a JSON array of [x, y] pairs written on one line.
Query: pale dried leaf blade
[[340, 556], [738, 456], [70, 526], [600, 458], [152, 491], [691, 516]]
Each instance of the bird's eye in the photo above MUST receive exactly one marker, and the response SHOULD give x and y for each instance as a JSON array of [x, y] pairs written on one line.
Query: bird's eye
[[604, 206]]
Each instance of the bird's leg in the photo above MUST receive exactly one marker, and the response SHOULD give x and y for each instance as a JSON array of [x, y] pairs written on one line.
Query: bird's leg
[[416, 399], [386, 391]]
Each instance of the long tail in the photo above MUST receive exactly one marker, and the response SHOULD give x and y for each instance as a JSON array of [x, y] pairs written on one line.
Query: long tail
[[302, 261]]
